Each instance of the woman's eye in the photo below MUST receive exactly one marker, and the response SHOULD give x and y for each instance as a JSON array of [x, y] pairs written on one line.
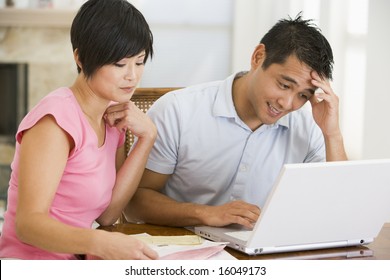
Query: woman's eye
[[119, 64], [140, 63]]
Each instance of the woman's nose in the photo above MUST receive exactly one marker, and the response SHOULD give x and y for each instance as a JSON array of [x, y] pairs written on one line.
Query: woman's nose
[[130, 73]]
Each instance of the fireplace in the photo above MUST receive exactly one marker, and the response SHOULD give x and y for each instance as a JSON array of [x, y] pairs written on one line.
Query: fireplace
[[13, 107], [35, 58], [13, 95]]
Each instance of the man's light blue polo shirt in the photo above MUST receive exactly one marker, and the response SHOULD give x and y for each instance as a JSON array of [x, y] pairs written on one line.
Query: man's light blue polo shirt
[[212, 154]]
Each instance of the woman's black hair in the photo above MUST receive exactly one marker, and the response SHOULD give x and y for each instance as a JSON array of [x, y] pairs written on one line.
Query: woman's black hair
[[106, 31]]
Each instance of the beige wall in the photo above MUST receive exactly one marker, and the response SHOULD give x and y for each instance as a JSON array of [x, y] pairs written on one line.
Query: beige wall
[[48, 53]]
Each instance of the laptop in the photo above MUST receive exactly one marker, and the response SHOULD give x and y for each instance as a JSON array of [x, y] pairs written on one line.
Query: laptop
[[316, 206]]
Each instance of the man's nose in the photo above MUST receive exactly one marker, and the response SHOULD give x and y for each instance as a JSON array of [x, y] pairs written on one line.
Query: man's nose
[[286, 101]]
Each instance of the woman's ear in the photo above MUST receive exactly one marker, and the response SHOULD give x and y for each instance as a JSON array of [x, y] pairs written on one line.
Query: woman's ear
[[258, 56], [76, 59]]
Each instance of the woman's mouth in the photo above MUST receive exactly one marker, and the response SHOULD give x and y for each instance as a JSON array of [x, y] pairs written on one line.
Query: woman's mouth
[[128, 89]]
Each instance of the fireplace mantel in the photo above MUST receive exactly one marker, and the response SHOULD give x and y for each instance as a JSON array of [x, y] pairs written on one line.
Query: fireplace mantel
[[40, 39], [13, 17]]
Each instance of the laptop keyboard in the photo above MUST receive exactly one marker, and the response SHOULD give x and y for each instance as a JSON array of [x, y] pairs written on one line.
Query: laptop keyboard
[[241, 234]]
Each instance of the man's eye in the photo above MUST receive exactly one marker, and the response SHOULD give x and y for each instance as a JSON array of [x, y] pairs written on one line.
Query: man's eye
[[119, 64], [140, 63], [284, 86], [304, 96]]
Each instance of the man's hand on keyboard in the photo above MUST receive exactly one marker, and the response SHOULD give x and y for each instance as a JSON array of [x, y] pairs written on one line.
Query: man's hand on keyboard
[[234, 212]]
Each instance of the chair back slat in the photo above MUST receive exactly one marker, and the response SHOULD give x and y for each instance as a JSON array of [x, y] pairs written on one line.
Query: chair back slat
[[144, 98]]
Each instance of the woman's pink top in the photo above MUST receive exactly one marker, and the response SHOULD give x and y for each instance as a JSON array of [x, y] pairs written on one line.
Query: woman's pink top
[[85, 189]]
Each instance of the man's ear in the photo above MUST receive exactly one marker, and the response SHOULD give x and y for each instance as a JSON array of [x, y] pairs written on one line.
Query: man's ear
[[258, 56]]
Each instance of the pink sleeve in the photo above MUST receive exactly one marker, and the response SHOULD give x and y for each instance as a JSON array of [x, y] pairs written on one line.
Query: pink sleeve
[[64, 111]]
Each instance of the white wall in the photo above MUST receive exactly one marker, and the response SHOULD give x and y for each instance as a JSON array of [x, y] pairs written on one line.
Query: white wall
[[192, 41], [356, 29], [376, 139]]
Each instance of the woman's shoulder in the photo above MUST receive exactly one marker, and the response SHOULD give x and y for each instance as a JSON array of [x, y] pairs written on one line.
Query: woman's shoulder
[[57, 98], [60, 104]]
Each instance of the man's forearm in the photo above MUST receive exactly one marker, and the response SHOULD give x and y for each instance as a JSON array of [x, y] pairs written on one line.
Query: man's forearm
[[334, 146], [153, 207]]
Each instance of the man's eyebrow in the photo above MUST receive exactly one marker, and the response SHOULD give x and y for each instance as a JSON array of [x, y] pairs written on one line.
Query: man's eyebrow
[[291, 80]]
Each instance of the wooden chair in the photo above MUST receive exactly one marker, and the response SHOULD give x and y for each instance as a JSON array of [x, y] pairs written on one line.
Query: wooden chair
[[144, 98]]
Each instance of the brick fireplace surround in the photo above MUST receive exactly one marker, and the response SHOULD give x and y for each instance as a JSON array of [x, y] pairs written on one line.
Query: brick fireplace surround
[[40, 38]]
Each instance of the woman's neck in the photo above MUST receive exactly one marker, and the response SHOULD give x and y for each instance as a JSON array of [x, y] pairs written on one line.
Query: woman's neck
[[92, 106]]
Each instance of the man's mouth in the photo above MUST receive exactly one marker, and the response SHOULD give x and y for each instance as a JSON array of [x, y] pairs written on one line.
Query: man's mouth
[[273, 110]]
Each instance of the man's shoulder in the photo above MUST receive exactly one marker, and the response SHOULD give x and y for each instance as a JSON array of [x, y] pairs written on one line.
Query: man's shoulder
[[194, 91], [302, 114], [299, 121], [190, 96]]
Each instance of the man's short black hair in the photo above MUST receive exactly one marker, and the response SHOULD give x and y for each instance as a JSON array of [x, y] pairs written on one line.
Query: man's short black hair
[[300, 38]]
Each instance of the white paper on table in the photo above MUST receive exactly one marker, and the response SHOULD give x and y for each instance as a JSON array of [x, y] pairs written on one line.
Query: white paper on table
[[205, 250]]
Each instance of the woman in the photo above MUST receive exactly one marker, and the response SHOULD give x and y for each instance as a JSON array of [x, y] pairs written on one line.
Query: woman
[[69, 167]]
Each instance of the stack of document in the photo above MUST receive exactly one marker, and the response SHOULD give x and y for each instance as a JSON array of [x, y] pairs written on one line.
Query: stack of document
[[185, 247]]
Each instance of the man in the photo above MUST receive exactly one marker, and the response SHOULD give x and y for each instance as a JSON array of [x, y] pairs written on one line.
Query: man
[[221, 145]]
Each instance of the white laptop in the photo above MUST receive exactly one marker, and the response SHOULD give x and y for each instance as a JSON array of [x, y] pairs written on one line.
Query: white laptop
[[316, 206]]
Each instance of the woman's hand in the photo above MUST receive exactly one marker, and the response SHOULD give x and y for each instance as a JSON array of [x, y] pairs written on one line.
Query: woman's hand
[[119, 246], [128, 116]]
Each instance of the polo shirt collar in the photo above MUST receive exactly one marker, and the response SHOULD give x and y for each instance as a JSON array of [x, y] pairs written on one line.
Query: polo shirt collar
[[223, 104]]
